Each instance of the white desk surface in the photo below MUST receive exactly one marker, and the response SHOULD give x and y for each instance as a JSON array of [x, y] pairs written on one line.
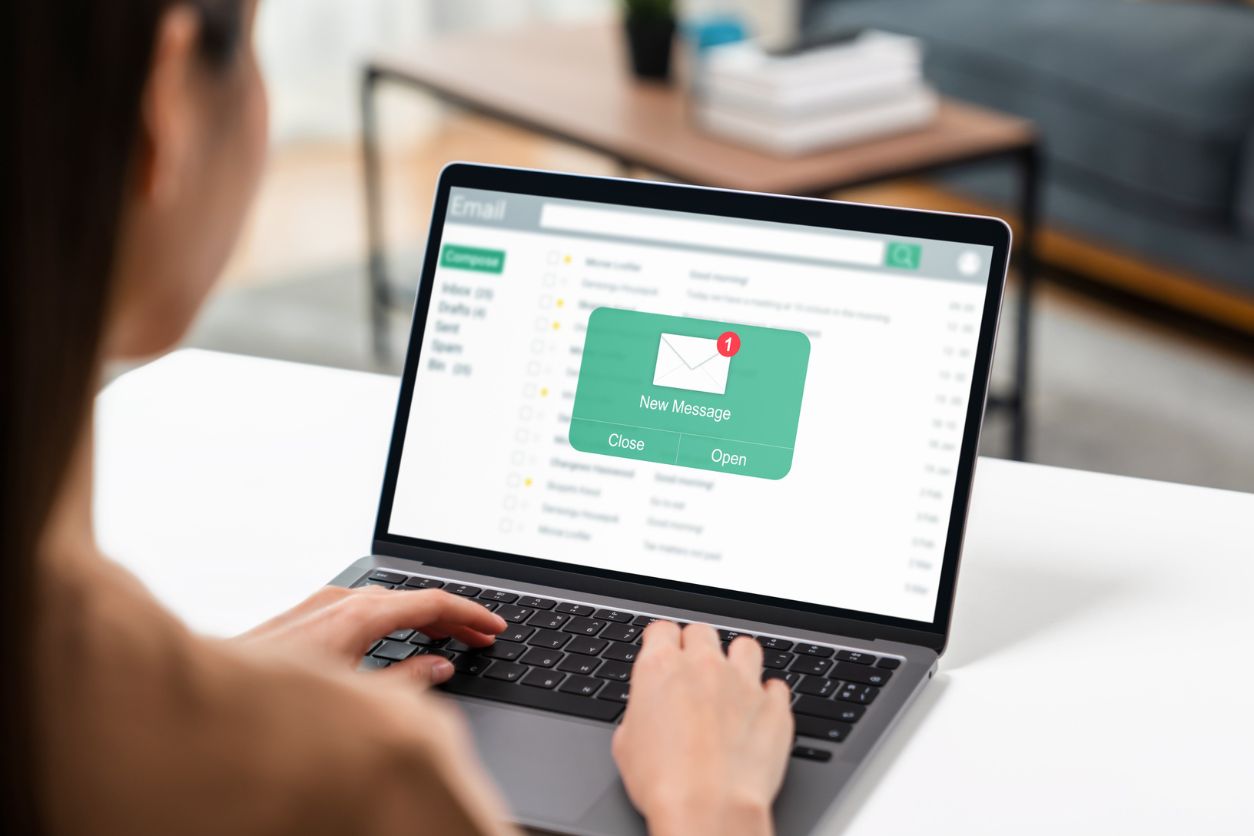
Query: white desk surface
[[1098, 677]]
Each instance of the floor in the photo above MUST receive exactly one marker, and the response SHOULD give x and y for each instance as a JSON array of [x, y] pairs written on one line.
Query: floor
[[1112, 392]]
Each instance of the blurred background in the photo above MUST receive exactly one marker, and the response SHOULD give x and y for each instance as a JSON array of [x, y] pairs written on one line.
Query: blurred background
[[1142, 339]]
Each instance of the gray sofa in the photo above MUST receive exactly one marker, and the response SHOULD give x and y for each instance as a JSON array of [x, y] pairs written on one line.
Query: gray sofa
[[1146, 109]]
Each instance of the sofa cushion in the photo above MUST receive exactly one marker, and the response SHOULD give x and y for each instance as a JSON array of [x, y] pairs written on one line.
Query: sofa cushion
[[1144, 102]]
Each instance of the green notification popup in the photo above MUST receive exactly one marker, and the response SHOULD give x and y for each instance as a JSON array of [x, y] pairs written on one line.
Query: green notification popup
[[690, 392]]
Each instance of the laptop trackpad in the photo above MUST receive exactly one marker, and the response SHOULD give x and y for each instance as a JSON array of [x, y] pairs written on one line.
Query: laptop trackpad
[[549, 768]]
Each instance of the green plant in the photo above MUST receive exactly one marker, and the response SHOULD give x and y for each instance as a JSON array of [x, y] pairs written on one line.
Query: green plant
[[649, 9]]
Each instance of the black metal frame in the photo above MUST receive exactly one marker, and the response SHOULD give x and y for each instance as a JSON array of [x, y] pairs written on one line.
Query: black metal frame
[[1026, 158]]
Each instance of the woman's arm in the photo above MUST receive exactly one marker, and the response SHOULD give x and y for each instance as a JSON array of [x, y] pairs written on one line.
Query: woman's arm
[[704, 744]]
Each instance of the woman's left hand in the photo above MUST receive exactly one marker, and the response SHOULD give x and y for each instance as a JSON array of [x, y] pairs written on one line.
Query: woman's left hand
[[343, 623]]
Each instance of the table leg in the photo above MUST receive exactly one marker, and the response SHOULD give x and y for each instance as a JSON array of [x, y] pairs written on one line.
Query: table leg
[[1029, 196], [379, 290]]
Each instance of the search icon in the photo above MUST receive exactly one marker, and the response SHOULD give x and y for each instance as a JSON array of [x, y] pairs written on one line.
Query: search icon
[[905, 256]]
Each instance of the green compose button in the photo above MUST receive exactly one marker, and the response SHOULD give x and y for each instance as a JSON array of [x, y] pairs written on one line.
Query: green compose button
[[479, 260], [629, 442]]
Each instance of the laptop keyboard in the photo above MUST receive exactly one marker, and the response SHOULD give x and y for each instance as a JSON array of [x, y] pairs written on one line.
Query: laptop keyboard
[[576, 659]]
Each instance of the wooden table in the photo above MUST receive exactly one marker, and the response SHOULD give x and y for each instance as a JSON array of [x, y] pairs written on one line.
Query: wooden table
[[572, 84]]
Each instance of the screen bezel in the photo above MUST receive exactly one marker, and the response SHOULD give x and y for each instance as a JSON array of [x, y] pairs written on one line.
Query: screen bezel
[[813, 212]]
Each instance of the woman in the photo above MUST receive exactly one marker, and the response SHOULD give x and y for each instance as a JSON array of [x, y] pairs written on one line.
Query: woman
[[136, 137]]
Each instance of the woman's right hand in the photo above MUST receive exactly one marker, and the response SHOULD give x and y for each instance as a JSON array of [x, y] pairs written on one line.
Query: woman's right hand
[[704, 743]]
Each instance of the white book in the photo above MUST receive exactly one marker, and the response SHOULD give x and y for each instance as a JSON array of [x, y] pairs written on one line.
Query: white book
[[869, 52], [838, 92], [823, 130]]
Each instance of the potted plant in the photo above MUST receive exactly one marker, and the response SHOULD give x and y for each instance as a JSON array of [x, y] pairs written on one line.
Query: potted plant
[[650, 28]]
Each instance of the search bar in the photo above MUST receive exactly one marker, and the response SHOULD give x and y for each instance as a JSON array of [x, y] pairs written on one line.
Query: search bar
[[742, 237]]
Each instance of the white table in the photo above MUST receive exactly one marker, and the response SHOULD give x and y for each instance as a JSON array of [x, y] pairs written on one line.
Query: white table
[[1098, 680]]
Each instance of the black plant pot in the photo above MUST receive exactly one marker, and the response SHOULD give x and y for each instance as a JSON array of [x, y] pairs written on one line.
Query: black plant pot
[[649, 43]]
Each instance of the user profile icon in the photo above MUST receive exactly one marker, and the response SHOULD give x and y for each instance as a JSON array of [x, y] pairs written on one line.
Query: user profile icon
[[968, 263]]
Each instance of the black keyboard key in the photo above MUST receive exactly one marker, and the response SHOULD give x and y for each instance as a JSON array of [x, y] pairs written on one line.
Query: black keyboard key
[[584, 626], [515, 633], [472, 664], [383, 584], [548, 638], [855, 656], [614, 692], [575, 609], [541, 657], [852, 672], [425, 641], [401, 635], [540, 678], [487, 605], [584, 686], [386, 576], [506, 672], [505, 651], [587, 645], [464, 589], [821, 727], [582, 665], [484, 687], [500, 596], [888, 664], [621, 633], [536, 603], [423, 583], [772, 643], [645, 620], [614, 615], [435, 651], [776, 659], [818, 707], [371, 663], [815, 650], [513, 613], [861, 694], [620, 652], [811, 754], [810, 664], [548, 620], [791, 678], [394, 651], [617, 671], [456, 646], [816, 686], [732, 635]]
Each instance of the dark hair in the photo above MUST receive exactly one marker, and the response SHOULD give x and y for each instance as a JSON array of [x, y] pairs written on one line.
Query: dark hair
[[74, 72]]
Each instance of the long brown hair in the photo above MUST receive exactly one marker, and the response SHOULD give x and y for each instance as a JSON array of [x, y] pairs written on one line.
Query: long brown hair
[[74, 73]]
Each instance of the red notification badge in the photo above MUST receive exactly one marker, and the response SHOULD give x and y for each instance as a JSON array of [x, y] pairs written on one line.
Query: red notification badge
[[728, 343]]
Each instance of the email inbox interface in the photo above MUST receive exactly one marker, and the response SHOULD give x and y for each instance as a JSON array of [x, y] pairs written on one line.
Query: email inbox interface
[[734, 420]]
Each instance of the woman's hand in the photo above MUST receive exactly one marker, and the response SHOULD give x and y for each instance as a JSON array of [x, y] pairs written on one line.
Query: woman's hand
[[343, 623], [703, 746]]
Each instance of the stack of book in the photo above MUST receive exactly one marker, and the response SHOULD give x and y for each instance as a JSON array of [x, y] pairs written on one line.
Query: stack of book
[[868, 86]]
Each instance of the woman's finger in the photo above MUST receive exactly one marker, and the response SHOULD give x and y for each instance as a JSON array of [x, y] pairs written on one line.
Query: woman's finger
[[372, 616], [700, 638], [745, 655], [659, 637], [422, 670], [474, 638]]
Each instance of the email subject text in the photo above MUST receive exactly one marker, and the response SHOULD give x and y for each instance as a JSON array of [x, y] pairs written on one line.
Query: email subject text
[[717, 413]]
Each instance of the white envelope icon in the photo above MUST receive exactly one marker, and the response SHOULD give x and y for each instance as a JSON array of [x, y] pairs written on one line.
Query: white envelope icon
[[691, 363]]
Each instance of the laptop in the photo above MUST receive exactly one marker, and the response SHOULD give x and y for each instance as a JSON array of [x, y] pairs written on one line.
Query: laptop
[[625, 401]]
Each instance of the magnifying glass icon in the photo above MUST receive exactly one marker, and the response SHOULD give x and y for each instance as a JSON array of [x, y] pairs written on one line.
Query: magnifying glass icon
[[905, 256]]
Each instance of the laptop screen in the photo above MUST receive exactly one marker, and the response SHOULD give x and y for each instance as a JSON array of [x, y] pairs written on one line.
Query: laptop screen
[[759, 407]]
